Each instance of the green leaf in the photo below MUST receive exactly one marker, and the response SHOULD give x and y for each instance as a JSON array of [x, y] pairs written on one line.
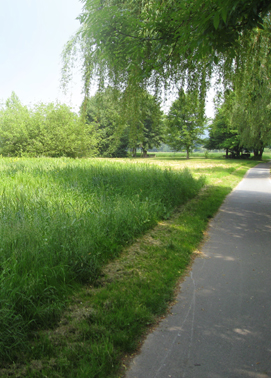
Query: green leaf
[[216, 20], [224, 15]]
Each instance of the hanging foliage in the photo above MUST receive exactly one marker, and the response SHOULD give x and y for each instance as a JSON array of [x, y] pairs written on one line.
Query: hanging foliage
[[151, 43]]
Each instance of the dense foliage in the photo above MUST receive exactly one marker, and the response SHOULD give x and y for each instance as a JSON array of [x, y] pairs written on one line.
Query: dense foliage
[[44, 130], [184, 122], [249, 106], [236, 128], [101, 129], [221, 136], [117, 131], [145, 41], [102, 112], [159, 44], [246, 104]]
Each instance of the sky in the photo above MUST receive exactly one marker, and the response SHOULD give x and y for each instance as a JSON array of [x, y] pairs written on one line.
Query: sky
[[33, 34]]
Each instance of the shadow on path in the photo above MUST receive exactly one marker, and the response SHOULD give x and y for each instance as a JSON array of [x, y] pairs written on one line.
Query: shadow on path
[[220, 325]]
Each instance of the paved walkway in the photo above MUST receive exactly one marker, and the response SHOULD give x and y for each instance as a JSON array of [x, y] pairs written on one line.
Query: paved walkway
[[221, 324]]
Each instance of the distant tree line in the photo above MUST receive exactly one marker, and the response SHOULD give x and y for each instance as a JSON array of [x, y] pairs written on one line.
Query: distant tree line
[[109, 126], [102, 128], [43, 130]]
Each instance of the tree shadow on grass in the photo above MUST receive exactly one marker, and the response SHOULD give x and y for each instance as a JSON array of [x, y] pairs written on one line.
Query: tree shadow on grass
[[219, 324]]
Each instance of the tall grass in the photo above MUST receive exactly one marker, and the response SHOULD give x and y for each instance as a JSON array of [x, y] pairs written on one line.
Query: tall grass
[[61, 221]]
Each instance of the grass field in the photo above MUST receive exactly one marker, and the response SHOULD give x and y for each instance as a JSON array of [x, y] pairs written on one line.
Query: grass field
[[72, 302], [209, 154]]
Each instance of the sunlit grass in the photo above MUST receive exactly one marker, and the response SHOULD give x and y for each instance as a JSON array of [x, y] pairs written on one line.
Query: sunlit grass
[[73, 242], [62, 220]]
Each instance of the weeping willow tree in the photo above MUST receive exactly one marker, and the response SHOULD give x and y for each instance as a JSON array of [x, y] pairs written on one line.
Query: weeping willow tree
[[157, 44], [248, 105]]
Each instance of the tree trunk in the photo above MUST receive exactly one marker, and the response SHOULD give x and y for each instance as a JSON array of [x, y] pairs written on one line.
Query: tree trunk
[[256, 153], [144, 153], [227, 153], [187, 154], [134, 152]]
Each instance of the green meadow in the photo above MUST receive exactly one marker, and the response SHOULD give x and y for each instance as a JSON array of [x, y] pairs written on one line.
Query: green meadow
[[62, 220], [66, 229]]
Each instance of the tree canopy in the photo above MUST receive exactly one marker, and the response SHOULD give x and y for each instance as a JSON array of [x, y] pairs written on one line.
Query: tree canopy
[[243, 122], [249, 105], [222, 136], [43, 130], [123, 42], [102, 112], [184, 122], [136, 45], [116, 132]]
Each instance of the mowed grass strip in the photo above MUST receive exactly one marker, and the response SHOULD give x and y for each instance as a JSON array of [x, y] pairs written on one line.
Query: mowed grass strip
[[61, 221], [106, 319]]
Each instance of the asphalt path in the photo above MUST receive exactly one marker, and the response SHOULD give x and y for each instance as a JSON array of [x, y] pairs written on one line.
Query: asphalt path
[[220, 326]]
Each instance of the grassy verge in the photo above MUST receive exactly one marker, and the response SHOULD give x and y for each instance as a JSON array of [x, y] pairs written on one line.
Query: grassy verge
[[106, 317]]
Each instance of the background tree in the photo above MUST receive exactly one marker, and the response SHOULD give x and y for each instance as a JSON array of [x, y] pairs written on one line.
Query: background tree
[[184, 122], [244, 119], [138, 126], [103, 112], [145, 120], [221, 136], [14, 123], [153, 133], [60, 132], [44, 130]]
